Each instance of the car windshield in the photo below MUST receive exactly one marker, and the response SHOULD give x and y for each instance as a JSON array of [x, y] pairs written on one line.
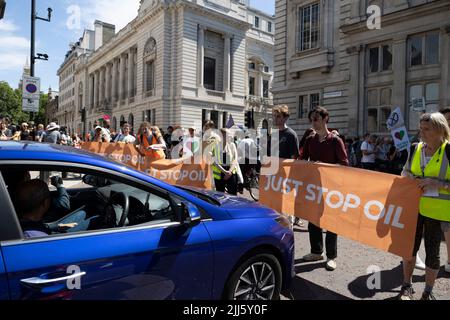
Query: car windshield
[[202, 196]]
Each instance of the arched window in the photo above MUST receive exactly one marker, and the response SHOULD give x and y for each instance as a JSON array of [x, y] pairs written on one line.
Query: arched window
[[80, 96], [150, 47], [149, 67], [131, 120], [114, 123]]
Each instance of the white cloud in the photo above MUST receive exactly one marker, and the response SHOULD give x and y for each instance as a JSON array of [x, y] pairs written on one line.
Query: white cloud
[[12, 42], [12, 60], [117, 12], [7, 25]]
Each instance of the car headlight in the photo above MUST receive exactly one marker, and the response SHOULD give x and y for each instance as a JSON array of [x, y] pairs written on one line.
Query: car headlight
[[284, 221]]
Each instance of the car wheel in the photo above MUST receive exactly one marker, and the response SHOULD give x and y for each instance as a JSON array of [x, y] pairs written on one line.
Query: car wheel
[[258, 278]]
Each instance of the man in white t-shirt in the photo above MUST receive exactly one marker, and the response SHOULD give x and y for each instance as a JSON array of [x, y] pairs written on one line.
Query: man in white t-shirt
[[125, 137], [368, 150]]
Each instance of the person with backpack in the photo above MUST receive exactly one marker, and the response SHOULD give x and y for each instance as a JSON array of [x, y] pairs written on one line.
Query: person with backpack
[[327, 147], [428, 162]]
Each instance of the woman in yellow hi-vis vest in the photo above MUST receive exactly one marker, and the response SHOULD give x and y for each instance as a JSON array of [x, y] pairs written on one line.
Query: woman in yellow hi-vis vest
[[429, 163], [226, 166], [150, 142]]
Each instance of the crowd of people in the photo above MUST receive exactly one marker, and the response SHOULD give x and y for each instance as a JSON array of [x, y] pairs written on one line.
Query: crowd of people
[[231, 156], [52, 133]]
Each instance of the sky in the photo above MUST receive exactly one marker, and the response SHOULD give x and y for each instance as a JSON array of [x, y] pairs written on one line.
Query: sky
[[54, 38]]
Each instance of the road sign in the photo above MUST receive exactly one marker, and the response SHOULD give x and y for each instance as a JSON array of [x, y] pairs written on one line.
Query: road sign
[[30, 105], [31, 88], [418, 104]]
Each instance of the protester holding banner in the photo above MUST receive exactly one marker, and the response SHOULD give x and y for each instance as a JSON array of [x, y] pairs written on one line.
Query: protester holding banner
[[288, 144], [226, 165], [446, 113], [429, 162], [125, 136], [150, 142], [100, 135], [288, 139], [323, 146]]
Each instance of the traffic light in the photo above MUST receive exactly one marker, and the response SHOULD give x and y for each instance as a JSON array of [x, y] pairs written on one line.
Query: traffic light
[[248, 119]]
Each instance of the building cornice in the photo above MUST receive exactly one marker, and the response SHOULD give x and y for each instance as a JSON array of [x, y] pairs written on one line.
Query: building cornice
[[241, 24], [399, 16]]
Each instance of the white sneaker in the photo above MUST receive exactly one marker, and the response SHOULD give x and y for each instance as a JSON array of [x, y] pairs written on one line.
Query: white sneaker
[[447, 267], [420, 265], [313, 257], [331, 265]]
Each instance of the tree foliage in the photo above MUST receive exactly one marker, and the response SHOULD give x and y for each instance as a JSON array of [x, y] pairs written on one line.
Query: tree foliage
[[11, 105]]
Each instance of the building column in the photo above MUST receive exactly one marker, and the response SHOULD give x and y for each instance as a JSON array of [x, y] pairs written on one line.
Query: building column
[[362, 91], [219, 125], [96, 88], [400, 95], [130, 73], [122, 93], [91, 90], [108, 82], [260, 80], [445, 57], [227, 64], [102, 84], [354, 104], [201, 57], [114, 81]]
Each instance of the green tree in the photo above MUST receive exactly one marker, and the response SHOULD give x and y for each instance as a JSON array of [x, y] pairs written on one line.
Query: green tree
[[11, 103]]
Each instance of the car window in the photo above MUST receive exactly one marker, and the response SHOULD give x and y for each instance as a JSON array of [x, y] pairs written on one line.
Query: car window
[[67, 202]]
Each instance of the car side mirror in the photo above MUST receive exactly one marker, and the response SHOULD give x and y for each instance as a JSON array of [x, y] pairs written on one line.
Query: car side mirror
[[91, 180], [190, 214]]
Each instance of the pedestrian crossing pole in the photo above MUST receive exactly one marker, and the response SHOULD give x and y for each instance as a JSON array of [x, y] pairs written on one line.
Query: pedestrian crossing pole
[[33, 56]]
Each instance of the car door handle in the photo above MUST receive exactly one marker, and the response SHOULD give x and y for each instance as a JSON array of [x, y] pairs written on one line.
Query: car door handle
[[36, 281]]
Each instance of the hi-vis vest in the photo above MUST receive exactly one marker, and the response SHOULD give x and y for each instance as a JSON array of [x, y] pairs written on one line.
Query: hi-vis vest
[[437, 208], [218, 156], [153, 154]]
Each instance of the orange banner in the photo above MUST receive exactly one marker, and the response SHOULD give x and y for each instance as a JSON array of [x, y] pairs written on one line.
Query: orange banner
[[376, 209], [170, 171]]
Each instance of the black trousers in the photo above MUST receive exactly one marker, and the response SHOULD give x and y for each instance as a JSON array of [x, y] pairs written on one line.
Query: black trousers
[[432, 232], [231, 184], [316, 241], [369, 166]]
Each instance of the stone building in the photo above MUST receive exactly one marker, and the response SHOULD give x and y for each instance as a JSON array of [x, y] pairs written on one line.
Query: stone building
[[328, 53], [176, 63]]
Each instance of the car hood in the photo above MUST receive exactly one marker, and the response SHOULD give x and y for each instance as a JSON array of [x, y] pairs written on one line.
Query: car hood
[[237, 207]]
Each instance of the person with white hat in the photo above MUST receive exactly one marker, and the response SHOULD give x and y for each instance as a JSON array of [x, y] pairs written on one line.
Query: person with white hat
[[52, 134]]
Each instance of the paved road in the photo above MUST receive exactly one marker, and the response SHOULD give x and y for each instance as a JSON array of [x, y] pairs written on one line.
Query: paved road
[[349, 280]]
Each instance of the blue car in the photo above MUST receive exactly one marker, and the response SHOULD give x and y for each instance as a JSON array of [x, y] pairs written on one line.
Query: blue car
[[101, 230]]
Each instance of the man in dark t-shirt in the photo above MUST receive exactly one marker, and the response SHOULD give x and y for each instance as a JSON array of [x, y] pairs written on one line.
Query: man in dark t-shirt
[[287, 139], [324, 146]]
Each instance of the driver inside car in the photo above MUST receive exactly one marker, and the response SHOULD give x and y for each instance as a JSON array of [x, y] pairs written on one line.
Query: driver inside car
[[60, 201], [32, 202]]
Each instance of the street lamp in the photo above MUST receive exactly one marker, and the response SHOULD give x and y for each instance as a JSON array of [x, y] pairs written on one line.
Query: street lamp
[[2, 8], [34, 17]]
